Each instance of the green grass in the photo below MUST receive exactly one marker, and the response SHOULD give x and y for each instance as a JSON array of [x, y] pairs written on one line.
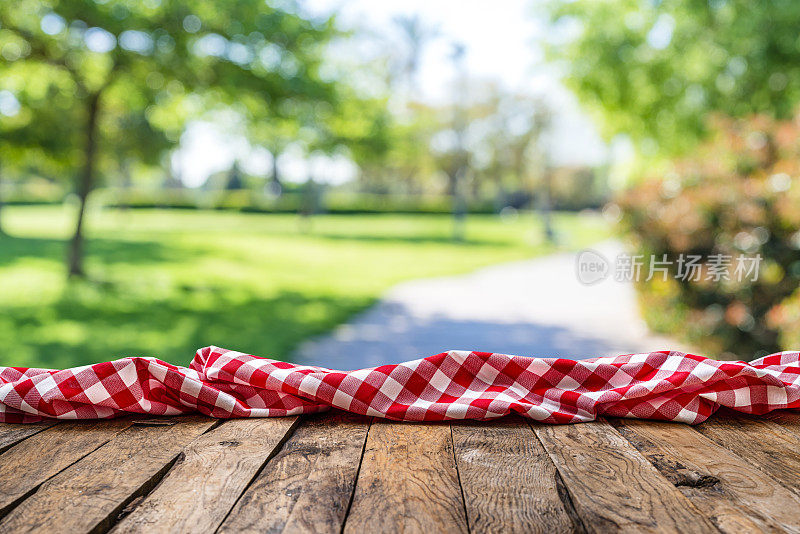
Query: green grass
[[164, 283]]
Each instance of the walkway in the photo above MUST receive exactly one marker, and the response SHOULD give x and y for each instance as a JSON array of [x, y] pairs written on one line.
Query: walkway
[[532, 308]]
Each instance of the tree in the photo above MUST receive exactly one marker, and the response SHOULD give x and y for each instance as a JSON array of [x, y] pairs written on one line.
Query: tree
[[457, 173], [276, 133], [654, 70], [120, 59], [498, 137], [363, 128], [42, 145]]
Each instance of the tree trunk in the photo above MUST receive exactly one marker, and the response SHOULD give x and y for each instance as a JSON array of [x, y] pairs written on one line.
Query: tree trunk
[[126, 183], [276, 175], [546, 207], [459, 205], [85, 185], [274, 187]]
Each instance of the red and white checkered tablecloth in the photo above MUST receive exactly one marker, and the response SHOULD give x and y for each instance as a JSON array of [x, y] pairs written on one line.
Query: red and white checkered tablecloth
[[221, 383]]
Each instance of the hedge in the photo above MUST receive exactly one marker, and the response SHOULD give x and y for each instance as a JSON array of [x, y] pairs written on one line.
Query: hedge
[[739, 194]]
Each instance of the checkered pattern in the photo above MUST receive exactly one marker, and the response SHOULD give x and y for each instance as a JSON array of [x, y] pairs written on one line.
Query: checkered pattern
[[453, 385]]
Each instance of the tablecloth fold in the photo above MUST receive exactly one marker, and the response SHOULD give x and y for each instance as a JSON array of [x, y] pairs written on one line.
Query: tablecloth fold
[[664, 385]]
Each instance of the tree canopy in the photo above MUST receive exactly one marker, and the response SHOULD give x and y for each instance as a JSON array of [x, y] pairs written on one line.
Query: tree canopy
[[655, 70], [97, 81]]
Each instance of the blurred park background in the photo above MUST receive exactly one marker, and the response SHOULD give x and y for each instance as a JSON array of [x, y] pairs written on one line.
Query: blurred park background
[[251, 173]]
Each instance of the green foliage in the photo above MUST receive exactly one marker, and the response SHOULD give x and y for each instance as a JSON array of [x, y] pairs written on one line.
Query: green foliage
[[737, 195], [578, 188], [670, 74], [364, 126], [168, 282], [255, 201], [652, 70], [154, 63], [120, 78]]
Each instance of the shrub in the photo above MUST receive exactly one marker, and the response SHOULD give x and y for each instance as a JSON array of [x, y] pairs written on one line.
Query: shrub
[[739, 194], [292, 201]]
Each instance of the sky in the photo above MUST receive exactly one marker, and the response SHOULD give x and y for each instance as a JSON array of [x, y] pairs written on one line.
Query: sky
[[500, 40]]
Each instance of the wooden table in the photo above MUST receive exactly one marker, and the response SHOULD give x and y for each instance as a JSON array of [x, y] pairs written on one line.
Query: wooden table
[[335, 471]]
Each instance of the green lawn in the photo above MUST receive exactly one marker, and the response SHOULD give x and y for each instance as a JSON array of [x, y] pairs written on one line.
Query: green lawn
[[163, 283]]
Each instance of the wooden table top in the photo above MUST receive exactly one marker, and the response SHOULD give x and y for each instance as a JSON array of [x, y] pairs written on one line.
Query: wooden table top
[[335, 471]]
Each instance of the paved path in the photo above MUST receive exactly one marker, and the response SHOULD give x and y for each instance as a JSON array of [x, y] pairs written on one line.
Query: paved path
[[531, 308]]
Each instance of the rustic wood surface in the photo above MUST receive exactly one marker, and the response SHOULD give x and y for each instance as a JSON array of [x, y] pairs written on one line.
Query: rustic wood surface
[[307, 486], [10, 434], [728, 489], [508, 482], [229, 457], [87, 495], [25, 466], [408, 477], [612, 487], [339, 472]]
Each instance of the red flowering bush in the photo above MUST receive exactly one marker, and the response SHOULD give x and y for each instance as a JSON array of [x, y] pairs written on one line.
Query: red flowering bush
[[738, 196]]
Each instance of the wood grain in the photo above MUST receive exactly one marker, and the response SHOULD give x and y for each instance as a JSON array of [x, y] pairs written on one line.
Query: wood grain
[[31, 462], [308, 485], [13, 433], [734, 473], [772, 446], [612, 487], [733, 494], [88, 495], [508, 480], [788, 419], [214, 470], [408, 481]]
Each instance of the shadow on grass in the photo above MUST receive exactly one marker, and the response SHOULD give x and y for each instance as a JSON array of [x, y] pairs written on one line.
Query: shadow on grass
[[109, 251], [99, 320], [416, 240], [86, 327]]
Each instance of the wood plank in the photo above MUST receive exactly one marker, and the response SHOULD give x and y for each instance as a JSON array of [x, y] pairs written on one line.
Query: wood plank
[[736, 496], [612, 487], [308, 485], [33, 461], [508, 479], [214, 470], [13, 433], [408, 481], [789, 420], [767, 442], [88, 495]]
